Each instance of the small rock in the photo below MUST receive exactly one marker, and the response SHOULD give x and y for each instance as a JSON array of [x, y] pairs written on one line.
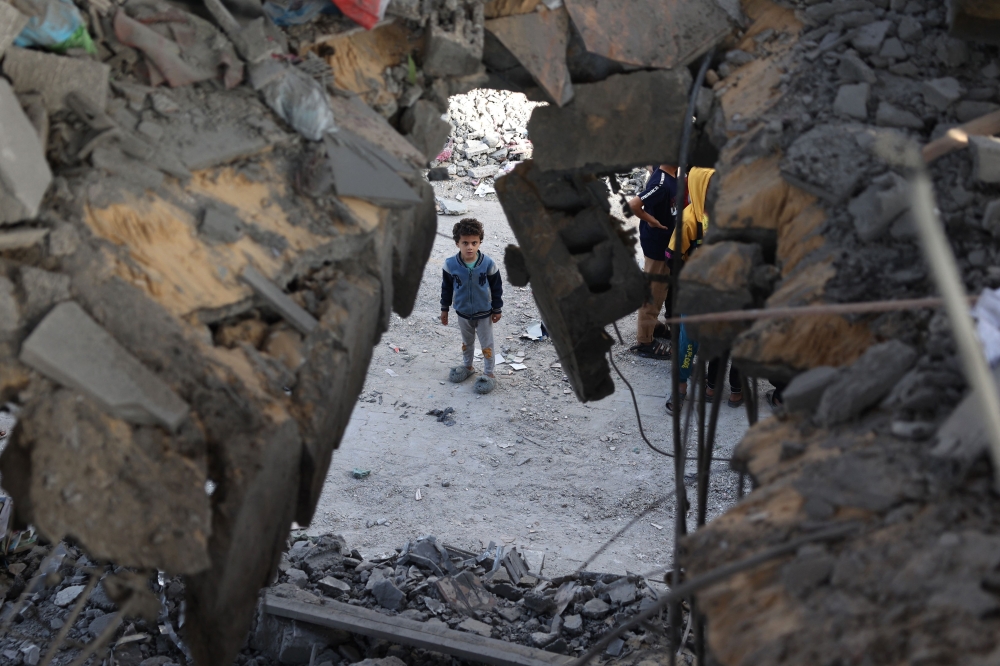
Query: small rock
[[941, 93], [853, 69], [32, 653], [68, 595], [100, 623], [969, 110], [615, 648], [595, 609], [852, 101], [452, 207], [476, 627], [892, 116], [298, 578], [388, 595], [986, 158], [333, 587], [991, 218], [910, 30], [893, 48], [915, 430], [540, 639], [510, 614], [869, 38], [573, 625], [487, 171]]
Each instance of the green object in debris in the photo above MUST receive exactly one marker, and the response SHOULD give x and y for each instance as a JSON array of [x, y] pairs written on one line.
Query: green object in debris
[[411, 70], [360, 473], [635, 450]]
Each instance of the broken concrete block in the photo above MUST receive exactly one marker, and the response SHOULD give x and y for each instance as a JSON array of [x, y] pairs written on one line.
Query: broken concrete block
[[388, 595], [991, 218], [597, 130], [487, 171], [649, 33], [452, 207], [473, 148], [22, 238], [279, 300], [968, 110], [892, 48], [963, 435], [451, 54], [805, 391], [71, 348], [476, 627], [11, 24], [360, 172], [941, 93], [538, 40], [42, 289], [425, 128], [877, 207], [595, 609], [853, 69], [852, 101], [56, 76], [868, 39], [889, 115], [858, 387], [24, 172], [220, 225], [10, 313], [986, 158], [333, 587], [583, 275]]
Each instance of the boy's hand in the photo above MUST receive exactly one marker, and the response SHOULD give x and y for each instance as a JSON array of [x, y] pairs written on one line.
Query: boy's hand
[[444, 317], [496, 317]]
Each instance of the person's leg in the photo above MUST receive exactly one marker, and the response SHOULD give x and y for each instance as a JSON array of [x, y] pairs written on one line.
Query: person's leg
[[713, 369], [468, 330], [484, 328], [650, 311], [735, 387]]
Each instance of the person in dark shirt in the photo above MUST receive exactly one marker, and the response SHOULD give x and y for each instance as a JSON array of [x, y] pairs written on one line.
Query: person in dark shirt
[[656, 209]]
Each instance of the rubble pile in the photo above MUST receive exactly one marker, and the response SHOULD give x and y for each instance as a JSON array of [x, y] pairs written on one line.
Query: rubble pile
[[489, 133]]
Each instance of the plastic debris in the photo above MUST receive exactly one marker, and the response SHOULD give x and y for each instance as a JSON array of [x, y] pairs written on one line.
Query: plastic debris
[[298, 12], [366, 13], [359, 473], [534, 331], [391, 373], [56, 25], [518, 366], [987, 316], [301, 102]]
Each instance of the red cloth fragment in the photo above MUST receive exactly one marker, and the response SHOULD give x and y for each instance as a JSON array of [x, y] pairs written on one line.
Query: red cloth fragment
[[365, 13]]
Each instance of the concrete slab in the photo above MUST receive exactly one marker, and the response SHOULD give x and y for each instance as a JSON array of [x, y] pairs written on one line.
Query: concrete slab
[[359, 172], [279, 300], [55, 76], [24, 172], [538, 40], [72, 349], [11, 24]]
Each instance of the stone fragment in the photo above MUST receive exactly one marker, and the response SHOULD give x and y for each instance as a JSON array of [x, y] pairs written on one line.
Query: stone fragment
[[573, 625], [869, 38], [11, 24], [360, 170], [476, 627], [439, 173], [595, 609], [877, 207], [31, 654], [953, 52], [941, 93], [100, 623], [852, 101], [649, 33], [474, 148], [279, 300], [803, 393], [388, 595], [24, 171], [425, 128], [963, 435], [969, 110], [68, 595], [452, 54], [910, 29], [858, 387], [333, 587], [221, 225], [55, 76], [10, 313], [42, 289], [986, 158], [22, 238], [853, 69], [540, 639], [892, 48], [991, 218], [538, 40], [597, 130], [452, 207], [487, 171], [823, 161], [72, 349], [510, 614], [889, 115], [298, 578]]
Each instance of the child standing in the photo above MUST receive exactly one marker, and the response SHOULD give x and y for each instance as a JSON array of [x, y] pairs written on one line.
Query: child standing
[[471, 281]]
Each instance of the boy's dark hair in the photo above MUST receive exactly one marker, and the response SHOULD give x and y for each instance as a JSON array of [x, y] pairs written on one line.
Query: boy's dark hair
[[470, 226]]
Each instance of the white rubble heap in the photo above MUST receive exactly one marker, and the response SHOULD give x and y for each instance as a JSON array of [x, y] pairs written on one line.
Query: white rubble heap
[[489, 133]]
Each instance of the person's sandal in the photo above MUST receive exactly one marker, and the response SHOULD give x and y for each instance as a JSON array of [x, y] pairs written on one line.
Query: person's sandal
[[653, 350], [774, 403], [484, 384], [459, 374], [735, 399], [670, 405]]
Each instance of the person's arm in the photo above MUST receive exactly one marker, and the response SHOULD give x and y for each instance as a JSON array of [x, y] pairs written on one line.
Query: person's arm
[[496, 292], [447, 293], [688, 234], [635, 205]]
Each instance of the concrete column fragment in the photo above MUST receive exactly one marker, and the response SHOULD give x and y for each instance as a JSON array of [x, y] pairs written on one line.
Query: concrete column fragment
[[24, 173], [279, 300], [539, 40], [608, 125], [72, 349]]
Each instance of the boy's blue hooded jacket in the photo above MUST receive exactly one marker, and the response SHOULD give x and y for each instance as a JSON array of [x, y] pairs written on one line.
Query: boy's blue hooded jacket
[[476, 292]]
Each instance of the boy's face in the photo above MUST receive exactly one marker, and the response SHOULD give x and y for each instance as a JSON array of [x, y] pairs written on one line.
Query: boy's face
[[469, 247]]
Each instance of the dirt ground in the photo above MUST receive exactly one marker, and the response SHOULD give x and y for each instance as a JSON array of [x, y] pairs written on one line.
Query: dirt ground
[[526, 465]]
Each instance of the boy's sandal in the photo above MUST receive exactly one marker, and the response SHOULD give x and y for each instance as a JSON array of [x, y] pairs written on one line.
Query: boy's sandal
[[653, 350], [670, 403], [735, 399], [484, 384], [459, 374]]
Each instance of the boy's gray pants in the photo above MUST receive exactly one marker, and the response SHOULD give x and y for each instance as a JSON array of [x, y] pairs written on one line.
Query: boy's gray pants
[[469, 328]]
